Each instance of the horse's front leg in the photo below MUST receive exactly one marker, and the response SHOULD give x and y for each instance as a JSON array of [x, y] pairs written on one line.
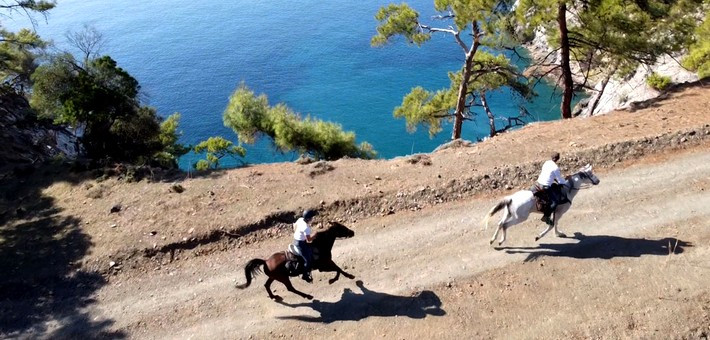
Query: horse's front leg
[[290, 288], [330, 266], [558, 215], [549, 227], [557, 232]]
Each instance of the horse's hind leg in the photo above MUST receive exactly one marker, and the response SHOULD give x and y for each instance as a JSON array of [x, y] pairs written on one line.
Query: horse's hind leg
[[495, 235], [505, 233], [290, 288], [502, 225], [268, 289]]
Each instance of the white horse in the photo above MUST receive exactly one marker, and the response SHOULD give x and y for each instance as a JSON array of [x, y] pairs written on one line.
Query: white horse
[[519, 205]]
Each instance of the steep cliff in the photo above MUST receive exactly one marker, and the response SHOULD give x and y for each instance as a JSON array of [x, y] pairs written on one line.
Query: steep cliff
[[25, 140], [618, 93]]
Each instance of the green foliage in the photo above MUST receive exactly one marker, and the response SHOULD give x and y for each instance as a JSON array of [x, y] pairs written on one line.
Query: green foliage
[[101, 99], [698, 58], [18, 54], [19, 50], [489, 24], [658, 81], [250, 116], [168, 137], [40, 6], [422, 107], [488, 73], [615, 32], [398, 20], [216, 148]]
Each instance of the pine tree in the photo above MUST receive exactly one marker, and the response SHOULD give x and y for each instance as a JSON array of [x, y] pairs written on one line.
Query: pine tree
[[481, 72], [607, 37], [250, 116]]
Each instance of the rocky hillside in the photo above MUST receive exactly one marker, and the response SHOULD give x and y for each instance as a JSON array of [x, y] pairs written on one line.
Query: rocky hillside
[[24, 140], [618, 93]]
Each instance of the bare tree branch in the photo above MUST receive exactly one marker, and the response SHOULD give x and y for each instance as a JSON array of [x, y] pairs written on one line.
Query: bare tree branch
[[453, 32]]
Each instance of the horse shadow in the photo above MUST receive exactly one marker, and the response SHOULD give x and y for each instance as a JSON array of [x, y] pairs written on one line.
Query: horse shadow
[[354, 307], [602, 247]]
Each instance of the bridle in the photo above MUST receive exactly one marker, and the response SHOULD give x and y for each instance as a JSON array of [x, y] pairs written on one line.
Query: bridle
[[582, 175]]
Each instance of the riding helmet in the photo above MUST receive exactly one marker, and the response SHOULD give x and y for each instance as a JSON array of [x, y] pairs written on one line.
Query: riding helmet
[[309, 214]]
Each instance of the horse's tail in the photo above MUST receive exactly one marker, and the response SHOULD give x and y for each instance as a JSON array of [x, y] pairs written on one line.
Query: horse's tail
[[252, 268], [504, 203]]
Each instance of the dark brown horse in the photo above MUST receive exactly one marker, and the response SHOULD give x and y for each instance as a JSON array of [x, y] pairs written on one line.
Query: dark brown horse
[[275, 265]]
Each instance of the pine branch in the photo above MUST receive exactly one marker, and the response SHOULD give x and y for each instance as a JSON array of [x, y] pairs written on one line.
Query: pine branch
[[451, 31], [451, 15]]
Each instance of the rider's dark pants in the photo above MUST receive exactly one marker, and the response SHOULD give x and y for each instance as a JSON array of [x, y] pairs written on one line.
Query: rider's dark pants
[[307, 253], [555, 196]]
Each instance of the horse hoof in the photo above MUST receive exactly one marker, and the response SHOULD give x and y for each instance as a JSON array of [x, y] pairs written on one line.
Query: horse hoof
[[500, 244], [536, 239], [350, 276], [309, 297], [491, 242], [561, 235], [277, 298], [331, 281]]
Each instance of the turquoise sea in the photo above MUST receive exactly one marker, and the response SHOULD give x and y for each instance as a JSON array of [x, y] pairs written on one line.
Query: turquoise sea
[[315, 56]]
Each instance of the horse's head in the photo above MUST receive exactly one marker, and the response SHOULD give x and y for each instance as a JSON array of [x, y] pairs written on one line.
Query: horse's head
[[587, 176], [340, 231]]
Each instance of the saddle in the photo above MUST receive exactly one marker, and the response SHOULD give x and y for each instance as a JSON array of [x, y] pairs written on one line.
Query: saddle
[[294, 261], [542, 199]]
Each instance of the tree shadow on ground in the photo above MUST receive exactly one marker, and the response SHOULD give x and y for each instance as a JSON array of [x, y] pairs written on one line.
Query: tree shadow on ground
[[354, 307], [43, 291], [602, 247]]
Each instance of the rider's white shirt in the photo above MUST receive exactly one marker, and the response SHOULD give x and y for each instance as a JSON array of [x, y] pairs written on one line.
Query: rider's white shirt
[[550, 172], [301, 229]]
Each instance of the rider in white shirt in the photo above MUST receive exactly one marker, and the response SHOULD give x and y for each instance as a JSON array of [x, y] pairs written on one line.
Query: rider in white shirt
[[550, 180], [302, 236]]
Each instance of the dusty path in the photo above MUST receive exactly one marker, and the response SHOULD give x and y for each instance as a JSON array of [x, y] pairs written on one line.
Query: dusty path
[[432, 273]]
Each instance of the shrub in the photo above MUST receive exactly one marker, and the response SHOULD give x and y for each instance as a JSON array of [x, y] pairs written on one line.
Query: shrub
[[658, 81]]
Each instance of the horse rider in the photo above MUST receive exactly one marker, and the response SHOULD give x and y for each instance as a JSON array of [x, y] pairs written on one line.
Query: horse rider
[[551, 182], [301, 238]]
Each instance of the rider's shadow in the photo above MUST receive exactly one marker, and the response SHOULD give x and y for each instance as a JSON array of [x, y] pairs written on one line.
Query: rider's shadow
[[602, 247], [354, 307]]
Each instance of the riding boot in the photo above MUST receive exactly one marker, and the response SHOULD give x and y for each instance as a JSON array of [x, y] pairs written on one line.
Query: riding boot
[[547, 218], [546, 215]]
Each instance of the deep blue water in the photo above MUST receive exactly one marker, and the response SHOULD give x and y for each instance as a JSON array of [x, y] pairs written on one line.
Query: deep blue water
[[315, 56]]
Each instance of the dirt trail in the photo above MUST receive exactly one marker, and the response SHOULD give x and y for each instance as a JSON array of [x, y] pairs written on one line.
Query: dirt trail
[[432, 273]]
